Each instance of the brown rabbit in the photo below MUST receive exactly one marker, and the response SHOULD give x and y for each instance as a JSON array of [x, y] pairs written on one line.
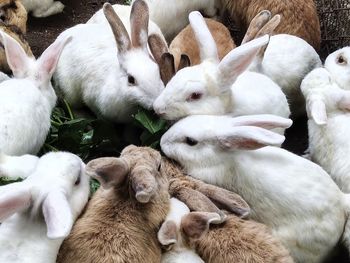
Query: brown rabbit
[[13, 13], [299, 17]]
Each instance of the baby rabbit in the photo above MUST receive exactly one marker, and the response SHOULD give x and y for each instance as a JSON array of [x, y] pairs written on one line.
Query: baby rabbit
[[235, 240], [43, 8], [207, 88], [299, 16], [112, 80], [13, 13], [288, 193], [26, 101], [185, 42], [121, 221], [277, 63], [38, 213], [329, 120], [338, 65]]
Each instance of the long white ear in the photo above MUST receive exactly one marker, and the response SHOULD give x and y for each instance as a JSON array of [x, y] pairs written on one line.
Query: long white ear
[[17, 58], [266, 121], [48, 61], [205, 40], [58, 215], [13, 198], [318, 112], [249, 138], [239, 59]]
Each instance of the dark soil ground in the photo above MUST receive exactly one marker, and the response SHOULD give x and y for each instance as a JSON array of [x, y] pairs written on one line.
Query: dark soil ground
[[42, 32]]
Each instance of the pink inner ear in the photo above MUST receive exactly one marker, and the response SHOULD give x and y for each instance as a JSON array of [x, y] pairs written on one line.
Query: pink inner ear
[[242, 144], [13, 200]]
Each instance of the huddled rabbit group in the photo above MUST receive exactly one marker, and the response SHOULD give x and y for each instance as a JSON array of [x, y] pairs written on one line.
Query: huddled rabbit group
[[224, 189]]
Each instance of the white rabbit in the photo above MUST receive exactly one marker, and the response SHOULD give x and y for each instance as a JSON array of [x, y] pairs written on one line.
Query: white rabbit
[[27, 100], [296, 198], [207, 88], [338, 64], [110, 79], [43, 8], [329, 123], [17, 166], [278, 64], [38, 213]]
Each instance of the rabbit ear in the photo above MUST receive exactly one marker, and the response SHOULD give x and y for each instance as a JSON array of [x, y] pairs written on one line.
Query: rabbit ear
[[184, 62], [167, 67], [249, 138], [139, 18], [49, 59], [144, 184], [255, 25], [17, 58], [109, 171], [158, 47], [318, 112], [167, 234], [120, 34], [196, 224], [14, 197], [57, 214], [205, 40], [265, 121], [239, 59], [269, 27]]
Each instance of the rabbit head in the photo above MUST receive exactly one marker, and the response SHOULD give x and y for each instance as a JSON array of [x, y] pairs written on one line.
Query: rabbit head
[[338, 65], [199, 139], [56, 190], [138, 69], [33, 72], [206, 88], [13, 13]]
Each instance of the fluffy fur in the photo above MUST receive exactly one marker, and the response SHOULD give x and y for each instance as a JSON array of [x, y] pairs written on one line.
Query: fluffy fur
[[111, 79], [116, 226], [328, 124], [43, 8], [299, 17], [13, 13], [207, 88], [185, 42], [17, 166], [288, 193], [39, 212], [28, 97]]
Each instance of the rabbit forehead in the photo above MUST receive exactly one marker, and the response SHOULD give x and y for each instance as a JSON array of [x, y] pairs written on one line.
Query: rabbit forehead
[[178, 209]]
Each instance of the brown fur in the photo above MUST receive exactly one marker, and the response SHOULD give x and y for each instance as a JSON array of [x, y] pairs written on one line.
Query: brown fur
[[238, 240], [13, 13], [185, 42], [15, 33], [117, 228], [298, 17]]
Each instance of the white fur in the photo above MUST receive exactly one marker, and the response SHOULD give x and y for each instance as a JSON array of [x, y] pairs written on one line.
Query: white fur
[[179, 252], [91, 71], [340, 72], [24, 236], [17, 166], [286, 61], [296, 198], [251, 93], [43, 8], [329, 125], [27, 100]]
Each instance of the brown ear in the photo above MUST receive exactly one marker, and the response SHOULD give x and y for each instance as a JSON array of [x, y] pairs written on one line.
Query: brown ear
[[167, 67], [167, 234], [143, 183], [139, 18], [109, 171], [269, 27], [255, 25], [184, 62], [157, 46], [120, 34], [195, 224]]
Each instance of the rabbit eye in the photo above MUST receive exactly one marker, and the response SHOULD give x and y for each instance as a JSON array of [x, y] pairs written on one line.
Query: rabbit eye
[[160, 165], [194, 96], [191, 142], [131, 80], [77, 182], [341, 60]]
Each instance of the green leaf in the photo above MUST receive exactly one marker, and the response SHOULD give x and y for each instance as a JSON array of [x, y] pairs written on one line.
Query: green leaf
[[150, 121]]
